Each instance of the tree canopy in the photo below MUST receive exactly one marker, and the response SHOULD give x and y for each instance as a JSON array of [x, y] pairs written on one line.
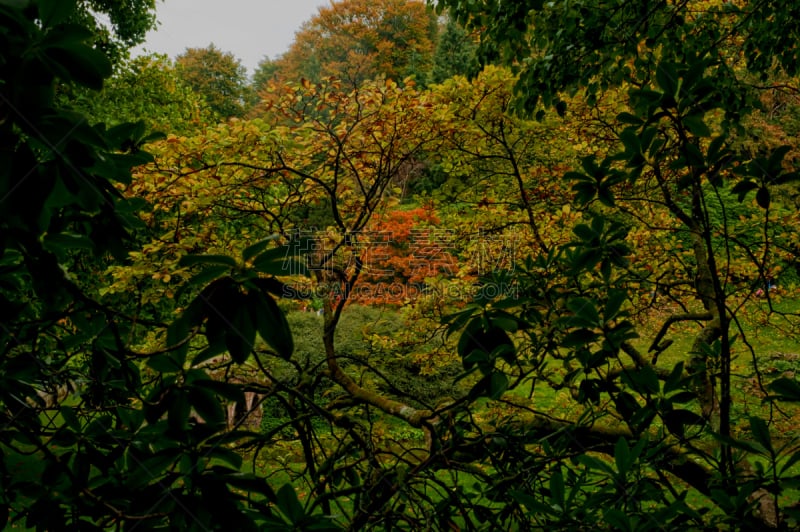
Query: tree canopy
[[217, 76], [147, 88], [560, 293], [455, 53], [355, 40], [120, 26]]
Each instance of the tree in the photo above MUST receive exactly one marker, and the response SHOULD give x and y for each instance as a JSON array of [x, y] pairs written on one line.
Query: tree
[[125, 24], [311, 173], [113, 395], [502, 164], [354, 40], [217, 76], [405, 249], [58, 197], [84, 443], [688, 79], [115, 28], [147, 88], [266, 71], [455, 53]]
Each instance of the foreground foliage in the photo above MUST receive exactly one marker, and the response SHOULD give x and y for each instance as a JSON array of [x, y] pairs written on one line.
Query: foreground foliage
[[152, 375]]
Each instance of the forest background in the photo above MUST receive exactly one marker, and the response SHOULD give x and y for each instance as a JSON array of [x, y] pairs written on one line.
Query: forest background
[[485, 266]]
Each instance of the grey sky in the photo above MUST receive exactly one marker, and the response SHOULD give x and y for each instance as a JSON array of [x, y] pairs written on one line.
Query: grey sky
[[250, 29]]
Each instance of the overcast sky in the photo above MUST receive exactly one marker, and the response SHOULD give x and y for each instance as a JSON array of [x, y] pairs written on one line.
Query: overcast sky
[[250, 29]]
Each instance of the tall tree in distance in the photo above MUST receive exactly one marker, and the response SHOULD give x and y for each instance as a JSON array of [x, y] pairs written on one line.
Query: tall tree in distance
[[355, 40], [147, 88], [217, 76], [455, 53], [266, 71]]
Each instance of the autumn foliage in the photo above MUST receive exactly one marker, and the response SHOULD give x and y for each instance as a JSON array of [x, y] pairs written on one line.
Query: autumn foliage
[[403, 248], [355, 40], [545, 297], [217, 76]]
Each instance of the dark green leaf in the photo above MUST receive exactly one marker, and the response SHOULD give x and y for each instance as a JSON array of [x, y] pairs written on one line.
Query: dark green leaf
[[677, 421], [627, 406], [584, 232], [53, 12], [595, 463], [221, 260], [579, 338], [775, 162], [557, 492], [785, 389], [716, 149], [271, 323], [622, 456], [682, 397], [530, 503], [251, 483], [675, 378], [215, 348], [477, 357], [67, 241], [585, 310], [696, 126], [480, 389], [208, 274], [178, 412], [276, 261], [645, 380], [630, 139], [289, 505], [694, 157], [763, 198], [605, 196], [207, 406], [476, 339], [645, 98], [747, 446], [628, 118], [16, 4], [228, 390], [240, 334], [177, 338], [760, 432], [80, 63], [498, 384], [667, 78], [458, 320], [743, 187], [789, 463], [617, 519], [785, 178], [506, 323], [70, 419], [150, 470], [613, 304], [254, 249], [165, 363]]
